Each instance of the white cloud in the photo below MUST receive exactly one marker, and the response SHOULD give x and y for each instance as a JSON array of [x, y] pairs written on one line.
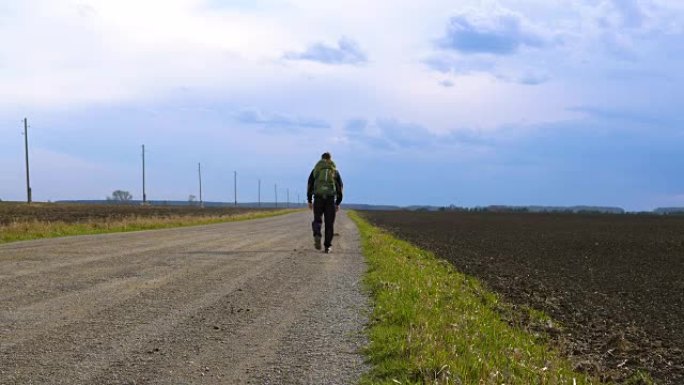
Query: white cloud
[[277, 122], [625, 29], [75, 54], [106, 51], [493, 30], [347, 51]]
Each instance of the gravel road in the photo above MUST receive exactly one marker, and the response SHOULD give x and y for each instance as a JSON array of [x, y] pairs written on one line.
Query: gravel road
[[236, 303]]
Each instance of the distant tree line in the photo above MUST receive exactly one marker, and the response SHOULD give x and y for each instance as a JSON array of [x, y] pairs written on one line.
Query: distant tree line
[[534, 209]]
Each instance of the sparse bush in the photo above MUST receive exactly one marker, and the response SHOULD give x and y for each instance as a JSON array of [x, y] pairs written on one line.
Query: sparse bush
[[120, 196]]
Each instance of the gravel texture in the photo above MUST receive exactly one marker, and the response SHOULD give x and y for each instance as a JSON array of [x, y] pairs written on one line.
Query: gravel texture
[[236, 303]]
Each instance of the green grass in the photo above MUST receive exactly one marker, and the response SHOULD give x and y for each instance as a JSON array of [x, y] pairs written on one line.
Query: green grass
[[434, 325], [21, 231]]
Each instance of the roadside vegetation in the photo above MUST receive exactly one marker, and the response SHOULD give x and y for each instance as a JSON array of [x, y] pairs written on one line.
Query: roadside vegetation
[[28, 229], [434, 325]]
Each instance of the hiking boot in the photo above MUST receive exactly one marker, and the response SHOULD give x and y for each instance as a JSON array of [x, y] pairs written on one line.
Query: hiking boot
[[328, 250], [317, 242]]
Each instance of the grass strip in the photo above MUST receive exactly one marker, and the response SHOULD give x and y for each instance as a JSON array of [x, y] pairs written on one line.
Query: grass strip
[[434, 325], [27, 230]]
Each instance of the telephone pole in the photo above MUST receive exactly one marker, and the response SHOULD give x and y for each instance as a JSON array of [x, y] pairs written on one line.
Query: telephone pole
[[276, 195], [288, 198], [199, 172], [235, 186], [143, 175], [28, 179], [259, 194]]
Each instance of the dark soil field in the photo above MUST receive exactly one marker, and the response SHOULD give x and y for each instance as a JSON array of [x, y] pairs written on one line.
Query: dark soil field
[[615, 283], [70, 213]]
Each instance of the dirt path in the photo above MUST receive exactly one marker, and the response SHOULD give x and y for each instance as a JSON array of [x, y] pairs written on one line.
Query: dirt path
[[237, 303]]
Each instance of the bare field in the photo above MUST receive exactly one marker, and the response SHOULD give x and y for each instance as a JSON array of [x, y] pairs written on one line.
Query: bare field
[[615, 282], [71, 213]]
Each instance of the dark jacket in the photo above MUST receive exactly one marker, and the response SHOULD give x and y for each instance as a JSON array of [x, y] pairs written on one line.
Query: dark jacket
[[338, 187]]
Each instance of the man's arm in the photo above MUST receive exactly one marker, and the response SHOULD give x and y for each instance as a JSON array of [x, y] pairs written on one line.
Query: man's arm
[[338, 182], [310, 187]]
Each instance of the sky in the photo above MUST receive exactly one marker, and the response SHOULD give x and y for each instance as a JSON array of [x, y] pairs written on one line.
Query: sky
[[470, 103]]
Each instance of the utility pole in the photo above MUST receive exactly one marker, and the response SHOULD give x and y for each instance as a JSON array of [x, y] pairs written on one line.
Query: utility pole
[[288, 198], [143, 175], [235, 186], [276, 195], [259, 194], [199, 172], [298, 201], [28, 179]]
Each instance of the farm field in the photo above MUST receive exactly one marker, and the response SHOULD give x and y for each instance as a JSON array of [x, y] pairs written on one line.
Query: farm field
[[614, 283], [20, 222], [70, 213]]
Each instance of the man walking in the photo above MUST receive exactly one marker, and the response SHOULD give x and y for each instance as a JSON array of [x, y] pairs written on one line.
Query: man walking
[[325, 188]]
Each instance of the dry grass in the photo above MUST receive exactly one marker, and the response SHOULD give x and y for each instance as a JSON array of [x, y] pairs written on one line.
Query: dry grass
[[35, 229]]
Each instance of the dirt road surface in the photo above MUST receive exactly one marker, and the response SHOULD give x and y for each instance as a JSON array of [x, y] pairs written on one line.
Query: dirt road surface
[[236, 303]]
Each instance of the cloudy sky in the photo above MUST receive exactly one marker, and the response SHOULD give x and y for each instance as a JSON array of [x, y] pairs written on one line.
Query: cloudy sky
[[469, 102]]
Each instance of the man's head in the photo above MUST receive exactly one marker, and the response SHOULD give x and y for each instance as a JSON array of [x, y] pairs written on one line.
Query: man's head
[[326, 156]]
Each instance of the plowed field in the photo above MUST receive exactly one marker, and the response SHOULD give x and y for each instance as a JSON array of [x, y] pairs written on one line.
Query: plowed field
[[614, 282], [65, 212]]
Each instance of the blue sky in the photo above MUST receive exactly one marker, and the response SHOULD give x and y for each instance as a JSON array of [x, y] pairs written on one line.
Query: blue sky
[[433, 102]]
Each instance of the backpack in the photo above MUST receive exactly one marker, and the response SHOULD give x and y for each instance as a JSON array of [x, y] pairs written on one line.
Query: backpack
[[324, 179]]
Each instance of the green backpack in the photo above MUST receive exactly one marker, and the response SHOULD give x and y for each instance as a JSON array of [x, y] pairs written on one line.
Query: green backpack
[[324, 179]]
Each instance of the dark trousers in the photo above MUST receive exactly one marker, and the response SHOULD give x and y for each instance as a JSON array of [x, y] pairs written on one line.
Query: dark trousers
[[324, 208]]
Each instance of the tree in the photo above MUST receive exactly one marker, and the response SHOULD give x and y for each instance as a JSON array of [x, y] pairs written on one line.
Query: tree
[[120, 196]]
